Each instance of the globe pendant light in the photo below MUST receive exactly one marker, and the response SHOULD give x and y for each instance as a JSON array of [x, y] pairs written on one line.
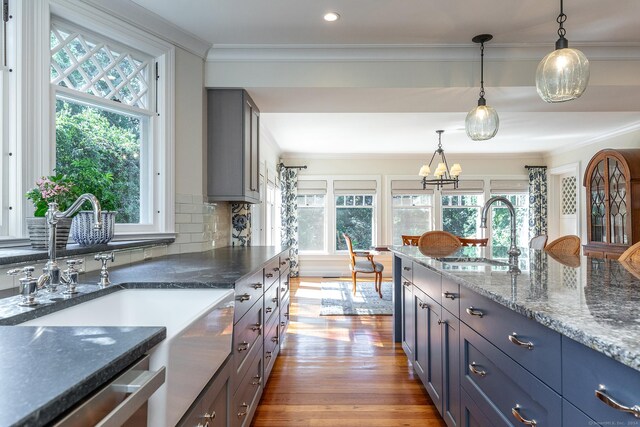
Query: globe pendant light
[[563, 74], [482, 122]]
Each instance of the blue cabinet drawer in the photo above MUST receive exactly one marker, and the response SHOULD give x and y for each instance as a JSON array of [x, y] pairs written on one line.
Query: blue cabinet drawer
[[585, 371], [271, 272], [271, 302], [428, 281], [451, 296], [505, 328], [503, 389], [406, 269], [573, 417], [472, 416]]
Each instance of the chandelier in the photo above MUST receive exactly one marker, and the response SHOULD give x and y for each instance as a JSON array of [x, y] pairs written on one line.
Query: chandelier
[[563, 74], [442, 175]]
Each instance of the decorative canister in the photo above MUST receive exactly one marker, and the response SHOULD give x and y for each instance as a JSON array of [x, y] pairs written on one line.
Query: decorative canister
[[84, 233], [39, 232]]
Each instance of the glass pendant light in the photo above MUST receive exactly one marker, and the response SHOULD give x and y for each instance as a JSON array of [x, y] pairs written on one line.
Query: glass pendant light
[[563, 74], [482, 122]]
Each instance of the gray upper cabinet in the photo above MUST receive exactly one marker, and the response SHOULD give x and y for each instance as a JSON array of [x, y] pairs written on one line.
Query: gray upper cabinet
[[233, 157]]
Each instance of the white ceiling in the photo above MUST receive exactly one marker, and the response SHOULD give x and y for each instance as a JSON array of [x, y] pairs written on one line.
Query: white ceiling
[[403, 119]]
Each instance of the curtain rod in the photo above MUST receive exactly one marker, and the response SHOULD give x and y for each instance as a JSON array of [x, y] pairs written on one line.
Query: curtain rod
[[531, 167], [282, 165]]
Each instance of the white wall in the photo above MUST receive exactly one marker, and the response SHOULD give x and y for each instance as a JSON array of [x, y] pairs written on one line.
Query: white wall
[[581, 155]]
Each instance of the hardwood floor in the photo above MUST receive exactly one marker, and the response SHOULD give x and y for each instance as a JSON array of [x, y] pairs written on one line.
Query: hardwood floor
[[341, 371]]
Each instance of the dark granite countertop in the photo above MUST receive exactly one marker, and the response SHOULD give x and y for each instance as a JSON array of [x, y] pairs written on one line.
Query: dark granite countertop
[[591, 300], [45, 371], [27, 254]]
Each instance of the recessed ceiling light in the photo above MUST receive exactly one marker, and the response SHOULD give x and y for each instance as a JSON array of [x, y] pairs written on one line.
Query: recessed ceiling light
[[331, 17]]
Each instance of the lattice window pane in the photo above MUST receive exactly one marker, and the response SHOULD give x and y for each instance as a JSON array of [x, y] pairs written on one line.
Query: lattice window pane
[[99, 68], [569, 195], [617, 203], [598, 209]]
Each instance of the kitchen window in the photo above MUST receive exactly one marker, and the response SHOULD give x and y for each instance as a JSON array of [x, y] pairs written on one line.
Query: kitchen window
[[501, 224], [355, 215], [312, 216], [461, 214], [412, 214], [109, 122]]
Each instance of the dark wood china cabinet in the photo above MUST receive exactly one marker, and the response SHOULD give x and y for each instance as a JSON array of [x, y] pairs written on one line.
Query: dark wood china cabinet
[[612, 179]]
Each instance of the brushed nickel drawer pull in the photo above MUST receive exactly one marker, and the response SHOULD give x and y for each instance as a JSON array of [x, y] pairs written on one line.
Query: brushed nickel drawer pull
[[516, 413], [283, 262], [268, 354], [283, 289], [478, 372], [441, 322], [474, 312], [452, 296], [286, 315], [244, 346], [269, 275], [406, 268], [276, 269], [407, 284], [256, 285], [256, 327], [257, 381], [274, 339], [610, 401], [514, 339], [274, 299], [268, 309], [243, 412], [243, 298], [423, 305]]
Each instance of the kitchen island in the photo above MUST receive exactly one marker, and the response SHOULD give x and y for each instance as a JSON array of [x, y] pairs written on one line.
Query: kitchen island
[[71, 375], [555, 339]]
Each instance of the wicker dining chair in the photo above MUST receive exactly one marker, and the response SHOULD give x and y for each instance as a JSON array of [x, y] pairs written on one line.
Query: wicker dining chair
[[408, 240], [367, 265], [438, 240], [631, 255], [568, 245], [473, 242]]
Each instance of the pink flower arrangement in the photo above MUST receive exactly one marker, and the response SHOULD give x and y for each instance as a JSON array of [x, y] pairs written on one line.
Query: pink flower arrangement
[[50, 189]]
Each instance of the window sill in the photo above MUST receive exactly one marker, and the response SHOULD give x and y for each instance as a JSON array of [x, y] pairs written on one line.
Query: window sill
[[24, 253]]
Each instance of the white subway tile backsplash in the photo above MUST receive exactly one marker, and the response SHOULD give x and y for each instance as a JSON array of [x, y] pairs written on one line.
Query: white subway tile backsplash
[[182, 218], [191, 228], [183, 198]]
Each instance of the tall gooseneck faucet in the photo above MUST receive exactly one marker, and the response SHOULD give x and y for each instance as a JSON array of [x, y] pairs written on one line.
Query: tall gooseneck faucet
[[51, 275], [513, 251]]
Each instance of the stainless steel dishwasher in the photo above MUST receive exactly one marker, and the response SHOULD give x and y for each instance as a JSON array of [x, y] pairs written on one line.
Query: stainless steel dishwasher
[[122, 402]]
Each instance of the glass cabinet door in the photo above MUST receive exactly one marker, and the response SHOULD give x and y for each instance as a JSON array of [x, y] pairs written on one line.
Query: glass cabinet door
[[598, 206], [617, 203]]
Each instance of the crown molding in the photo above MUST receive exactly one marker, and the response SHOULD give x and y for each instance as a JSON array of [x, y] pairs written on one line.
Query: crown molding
[[406, 156], [409, 53], [148, 21]]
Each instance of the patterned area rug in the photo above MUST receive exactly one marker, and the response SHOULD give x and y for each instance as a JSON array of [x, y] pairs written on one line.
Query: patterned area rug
[[338, 299]]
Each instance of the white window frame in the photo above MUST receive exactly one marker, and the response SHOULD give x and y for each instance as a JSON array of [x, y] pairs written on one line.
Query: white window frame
[[408, 193], [161, 173], [324, 225]]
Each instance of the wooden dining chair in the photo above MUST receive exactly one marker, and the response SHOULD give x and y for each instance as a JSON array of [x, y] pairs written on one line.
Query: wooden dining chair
[[367, 265], [408, 240], [568, 245], [631, 255], [538, 242], [473, 242]]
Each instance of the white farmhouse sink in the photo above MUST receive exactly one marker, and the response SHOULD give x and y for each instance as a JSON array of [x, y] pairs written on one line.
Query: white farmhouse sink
[[199, 326]]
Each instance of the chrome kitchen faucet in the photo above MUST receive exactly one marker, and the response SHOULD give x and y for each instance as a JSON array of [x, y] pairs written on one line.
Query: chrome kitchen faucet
[[513, 251]]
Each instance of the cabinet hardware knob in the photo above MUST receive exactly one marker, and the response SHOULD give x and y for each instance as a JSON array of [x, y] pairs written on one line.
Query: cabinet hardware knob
[[209, 416], [244, 346], [474, 312], [243, 298], [452, 296], [283, 262], [206, 424], [274, 300], [423, 305], [274, 339], [269, 275], [441, 322], [268, 354], [516, 413], [257, 381], [407, 284], [406, 268], [473, 368], [256, 327], [282, 289], [610, 401], [276, 269], [514, 339], [256, 285], [268, 310], [244, 411], [283, 324], [286, 315]]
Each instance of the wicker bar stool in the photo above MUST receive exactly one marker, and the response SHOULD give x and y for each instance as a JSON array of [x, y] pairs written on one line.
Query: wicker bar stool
[[568, 245]]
